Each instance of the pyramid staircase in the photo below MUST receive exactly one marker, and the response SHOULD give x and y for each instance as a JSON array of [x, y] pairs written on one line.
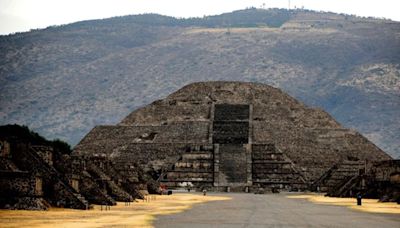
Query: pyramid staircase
[[337, 175], [27, 158], [347, 188], [92, 191], [271, 168], [194, 167], [108, 184]]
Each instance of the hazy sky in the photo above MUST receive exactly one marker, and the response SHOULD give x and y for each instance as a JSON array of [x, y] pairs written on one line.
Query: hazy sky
[[22, 15]]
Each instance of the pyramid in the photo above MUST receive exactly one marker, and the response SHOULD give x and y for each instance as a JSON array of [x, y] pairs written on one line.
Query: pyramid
[[235, 135]]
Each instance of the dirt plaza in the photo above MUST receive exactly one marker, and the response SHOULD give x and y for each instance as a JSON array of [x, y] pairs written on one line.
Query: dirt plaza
[[218, 210]]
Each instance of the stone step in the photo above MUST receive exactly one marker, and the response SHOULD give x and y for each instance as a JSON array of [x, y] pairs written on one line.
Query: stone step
[[201, 170], [189, 173], [194, 164], [193, 179], [270, 162], [278, 157], [195, 156], [271, 181], [81, 199], [273, 172]]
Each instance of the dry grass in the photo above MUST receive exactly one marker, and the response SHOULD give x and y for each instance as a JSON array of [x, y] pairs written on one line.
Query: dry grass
[[139, 214], [368, 205], [231, 30]]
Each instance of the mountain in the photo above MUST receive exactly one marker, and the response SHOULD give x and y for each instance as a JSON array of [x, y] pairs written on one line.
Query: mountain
[[62, 81]]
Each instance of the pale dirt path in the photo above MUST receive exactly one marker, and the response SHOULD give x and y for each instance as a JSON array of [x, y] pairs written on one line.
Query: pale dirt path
[[139, 214], [274, 210]]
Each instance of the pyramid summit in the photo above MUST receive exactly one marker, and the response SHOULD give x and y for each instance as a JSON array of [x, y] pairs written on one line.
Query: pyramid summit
[[239, 135]]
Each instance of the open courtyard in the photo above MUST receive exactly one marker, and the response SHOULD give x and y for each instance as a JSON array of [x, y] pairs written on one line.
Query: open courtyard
[[218, 210]]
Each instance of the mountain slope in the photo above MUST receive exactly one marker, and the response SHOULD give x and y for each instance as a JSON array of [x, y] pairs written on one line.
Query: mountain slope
[[62, 81]]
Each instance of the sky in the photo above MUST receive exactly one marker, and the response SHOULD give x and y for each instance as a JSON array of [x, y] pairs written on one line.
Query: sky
[[23, 15]]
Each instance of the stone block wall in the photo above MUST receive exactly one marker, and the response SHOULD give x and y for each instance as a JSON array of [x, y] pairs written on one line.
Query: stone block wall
[[187, 176], [164, 113], [184, 132], [7, 164], [157, 155], [19, 184], [4, 148], [45, 152], [187, 165], [294, 114], [113, 139], [387, 171]]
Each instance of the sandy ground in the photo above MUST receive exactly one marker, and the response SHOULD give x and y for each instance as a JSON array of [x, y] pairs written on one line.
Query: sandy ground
[[138, 214], [368, 205], [221, 210]]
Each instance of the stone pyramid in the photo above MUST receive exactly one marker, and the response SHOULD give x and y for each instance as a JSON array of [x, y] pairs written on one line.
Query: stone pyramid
[[230, 134]]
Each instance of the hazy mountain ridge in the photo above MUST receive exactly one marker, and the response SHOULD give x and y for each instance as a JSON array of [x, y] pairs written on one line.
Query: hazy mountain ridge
[[62, 81]]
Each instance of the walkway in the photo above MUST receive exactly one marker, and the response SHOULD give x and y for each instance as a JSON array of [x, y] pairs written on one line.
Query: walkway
[[273, 210]]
